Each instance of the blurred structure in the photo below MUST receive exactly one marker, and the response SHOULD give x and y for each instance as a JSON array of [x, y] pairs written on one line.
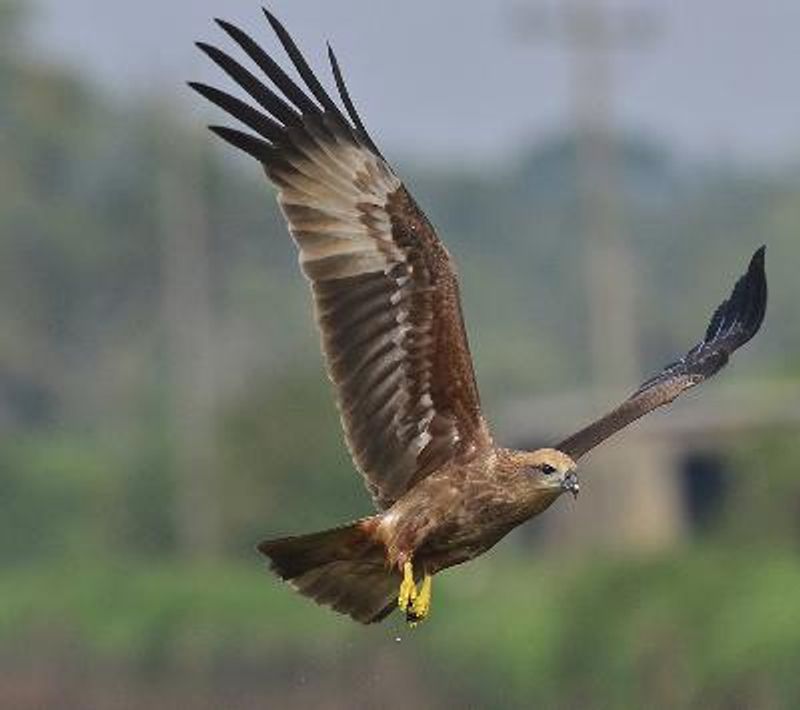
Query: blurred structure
[[636, 474], [188, 328]]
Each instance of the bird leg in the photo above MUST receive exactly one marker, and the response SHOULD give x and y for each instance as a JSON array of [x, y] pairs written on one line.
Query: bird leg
[[421, 606], [408, 590], [416, 603]]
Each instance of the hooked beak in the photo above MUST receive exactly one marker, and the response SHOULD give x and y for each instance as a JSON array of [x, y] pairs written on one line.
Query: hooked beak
[[571, 484]]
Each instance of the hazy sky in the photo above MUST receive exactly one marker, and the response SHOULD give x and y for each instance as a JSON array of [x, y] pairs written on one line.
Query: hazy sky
[[451, 79]]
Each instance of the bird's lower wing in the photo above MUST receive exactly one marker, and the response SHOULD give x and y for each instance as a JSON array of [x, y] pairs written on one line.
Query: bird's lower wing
[[734, 322]]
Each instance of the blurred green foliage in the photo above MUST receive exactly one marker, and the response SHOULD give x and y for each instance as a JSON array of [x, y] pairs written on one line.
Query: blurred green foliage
[[89, 546], [703, 626]]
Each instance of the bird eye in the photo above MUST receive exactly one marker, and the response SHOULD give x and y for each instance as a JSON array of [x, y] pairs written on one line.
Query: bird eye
[[547, 469]]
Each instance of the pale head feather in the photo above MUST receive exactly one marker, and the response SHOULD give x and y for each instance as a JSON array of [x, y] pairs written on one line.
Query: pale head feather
[[555, 458]]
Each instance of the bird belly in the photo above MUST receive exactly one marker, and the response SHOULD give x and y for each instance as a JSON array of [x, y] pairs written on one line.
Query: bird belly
[[450, 518], [467, 531]]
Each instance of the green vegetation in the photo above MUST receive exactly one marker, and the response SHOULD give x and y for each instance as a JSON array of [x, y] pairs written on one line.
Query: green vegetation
[[702, 622]]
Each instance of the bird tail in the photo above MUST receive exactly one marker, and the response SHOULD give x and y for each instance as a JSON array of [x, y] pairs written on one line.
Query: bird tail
[[343, 568]]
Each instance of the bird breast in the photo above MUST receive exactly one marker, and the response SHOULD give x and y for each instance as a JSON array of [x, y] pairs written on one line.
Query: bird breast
[[451, 516]]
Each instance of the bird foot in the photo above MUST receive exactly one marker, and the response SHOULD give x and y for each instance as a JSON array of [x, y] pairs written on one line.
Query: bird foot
[[408, 590], [421, 606], [415, 603]]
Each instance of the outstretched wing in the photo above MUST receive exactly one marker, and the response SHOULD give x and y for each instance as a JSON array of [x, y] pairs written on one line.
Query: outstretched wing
[[732, 325], [385, 290]]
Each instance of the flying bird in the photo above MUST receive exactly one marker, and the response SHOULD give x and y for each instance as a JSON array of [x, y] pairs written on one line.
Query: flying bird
[[387, 304]]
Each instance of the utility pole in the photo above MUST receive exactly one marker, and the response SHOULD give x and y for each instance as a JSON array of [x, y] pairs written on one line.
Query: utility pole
[[187, 319], [634, 499]]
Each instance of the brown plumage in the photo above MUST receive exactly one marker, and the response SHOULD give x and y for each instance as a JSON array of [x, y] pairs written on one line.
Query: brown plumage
[[388, 309]]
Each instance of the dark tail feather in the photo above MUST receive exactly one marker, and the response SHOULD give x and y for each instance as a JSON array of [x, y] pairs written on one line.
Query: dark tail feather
[[343, 568]]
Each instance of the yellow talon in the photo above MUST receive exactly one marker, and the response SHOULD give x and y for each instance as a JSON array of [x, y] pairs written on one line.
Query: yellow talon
[[408, 590], [421, 606]]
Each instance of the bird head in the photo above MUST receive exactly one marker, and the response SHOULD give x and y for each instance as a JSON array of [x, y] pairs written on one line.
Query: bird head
[[552, 471]]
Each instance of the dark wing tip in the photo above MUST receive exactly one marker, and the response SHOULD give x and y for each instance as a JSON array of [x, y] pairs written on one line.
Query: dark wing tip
[[283, 34], [209, 50], [228, 27], [274, 21], [734, 322], [332, 59], [756, 271], [350, 107], [758, 274], [295, 95], [303, 68], [740, 317], [253, 146]]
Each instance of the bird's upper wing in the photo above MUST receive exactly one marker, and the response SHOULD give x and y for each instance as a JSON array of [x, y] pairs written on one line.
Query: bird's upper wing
[[735, 321], [384, 287]]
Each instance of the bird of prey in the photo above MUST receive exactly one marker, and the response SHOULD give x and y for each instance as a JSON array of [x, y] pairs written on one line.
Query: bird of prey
[[387, 305]]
